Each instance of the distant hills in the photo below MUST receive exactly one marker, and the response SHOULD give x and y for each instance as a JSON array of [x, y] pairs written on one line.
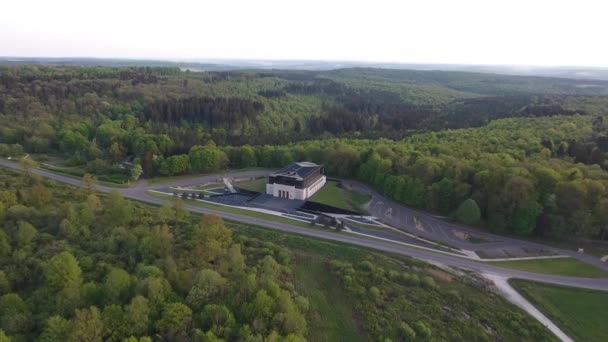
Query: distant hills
[[573, 72]]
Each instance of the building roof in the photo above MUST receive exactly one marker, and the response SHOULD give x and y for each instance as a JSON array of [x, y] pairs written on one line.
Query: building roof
[[298, 170]]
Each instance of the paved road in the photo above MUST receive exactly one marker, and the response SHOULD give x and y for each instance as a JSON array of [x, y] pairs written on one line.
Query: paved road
[[139, 192]]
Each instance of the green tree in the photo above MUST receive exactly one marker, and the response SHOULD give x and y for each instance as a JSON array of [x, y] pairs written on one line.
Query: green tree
[[161, 240], [87, 326], [524, 218], [218, 319], [214, 237], [14, 315], [25, 234], [56, 329], [206, 158], [5, 285], [137, 315], [136, 172], [208, 284], [261, 307], [422, 331], [118, 210], [63, 271], [89, 183], [117, 285], [175, 320], [39, 195], [115, 323], [468, 212], [406, 332], [248, 157], [5, 245], [4, 338]]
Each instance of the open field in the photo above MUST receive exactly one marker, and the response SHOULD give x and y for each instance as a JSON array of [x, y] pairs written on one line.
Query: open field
[[580, 313], [560, 266]]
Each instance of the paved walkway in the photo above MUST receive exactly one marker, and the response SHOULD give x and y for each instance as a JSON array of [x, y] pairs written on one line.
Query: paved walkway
[[514, 297]]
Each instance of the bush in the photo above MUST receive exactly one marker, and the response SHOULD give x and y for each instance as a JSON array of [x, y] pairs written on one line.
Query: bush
[[422, 331], [428, 282], [406, 332]]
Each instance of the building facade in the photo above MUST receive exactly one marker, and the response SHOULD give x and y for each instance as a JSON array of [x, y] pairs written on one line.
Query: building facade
[[298, 180]]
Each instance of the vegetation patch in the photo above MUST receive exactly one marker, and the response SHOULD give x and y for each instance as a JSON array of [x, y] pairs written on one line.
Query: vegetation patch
[[228, 209], [580, 313], [560, 266], [333, 316]]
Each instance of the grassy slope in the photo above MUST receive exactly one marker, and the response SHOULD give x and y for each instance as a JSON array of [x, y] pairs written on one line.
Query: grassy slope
[[335, 196], [168, 179], [258, 185], [580, 313], [561, 266], [331, 318], [330, 194]]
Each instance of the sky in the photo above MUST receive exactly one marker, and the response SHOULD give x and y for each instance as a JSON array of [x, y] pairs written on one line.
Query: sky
[[513, 32]]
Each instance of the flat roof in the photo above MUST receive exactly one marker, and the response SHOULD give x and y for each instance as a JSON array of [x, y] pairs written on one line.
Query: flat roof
[[298, 170]]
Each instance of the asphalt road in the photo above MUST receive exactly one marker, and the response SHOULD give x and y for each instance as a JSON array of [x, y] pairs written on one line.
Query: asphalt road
[[139, 193]]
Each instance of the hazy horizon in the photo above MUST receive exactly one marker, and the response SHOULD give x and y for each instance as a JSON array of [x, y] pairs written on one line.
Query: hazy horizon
[[474, 32]]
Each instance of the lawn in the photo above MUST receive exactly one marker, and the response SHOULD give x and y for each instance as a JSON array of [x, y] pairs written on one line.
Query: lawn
[[580, 313], [258, 184], [332, 194], [560, 266]]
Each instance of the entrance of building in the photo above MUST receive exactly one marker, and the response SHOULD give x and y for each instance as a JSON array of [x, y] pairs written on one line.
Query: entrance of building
[[283, 194]]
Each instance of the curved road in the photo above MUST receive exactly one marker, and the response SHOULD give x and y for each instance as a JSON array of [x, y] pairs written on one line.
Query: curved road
[[139, 192], [438, 229]]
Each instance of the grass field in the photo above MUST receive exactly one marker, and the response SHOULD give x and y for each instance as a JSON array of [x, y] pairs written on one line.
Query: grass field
[[332, 194], [596, 248], [580, 313], [258, 185], [560, 266]]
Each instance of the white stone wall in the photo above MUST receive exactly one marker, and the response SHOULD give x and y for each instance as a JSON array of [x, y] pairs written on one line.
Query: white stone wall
[[315, 186], [293, 193]]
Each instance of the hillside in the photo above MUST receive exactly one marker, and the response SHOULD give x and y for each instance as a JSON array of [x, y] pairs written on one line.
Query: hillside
[[77, 265], [520, 147]]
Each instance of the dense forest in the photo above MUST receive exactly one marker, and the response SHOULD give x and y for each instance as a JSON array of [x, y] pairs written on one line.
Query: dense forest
[[531, 153], [82, 266]]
